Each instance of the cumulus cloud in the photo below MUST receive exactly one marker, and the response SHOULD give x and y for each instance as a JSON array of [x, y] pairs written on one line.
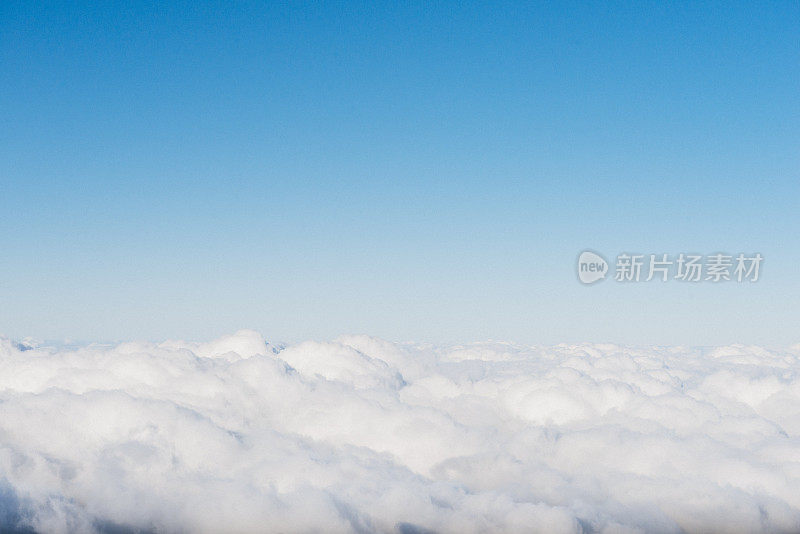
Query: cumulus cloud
[[363, 435]]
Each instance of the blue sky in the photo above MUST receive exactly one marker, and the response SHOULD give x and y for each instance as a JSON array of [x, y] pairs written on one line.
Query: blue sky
[[417, 172]]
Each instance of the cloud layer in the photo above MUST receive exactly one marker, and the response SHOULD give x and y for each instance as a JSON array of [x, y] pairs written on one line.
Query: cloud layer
[[362, 435]]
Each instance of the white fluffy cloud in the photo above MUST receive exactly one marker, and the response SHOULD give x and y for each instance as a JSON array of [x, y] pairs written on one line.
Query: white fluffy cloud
[[362, 435]]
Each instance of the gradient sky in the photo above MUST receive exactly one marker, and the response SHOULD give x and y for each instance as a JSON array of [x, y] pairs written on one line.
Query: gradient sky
[[422, 172]]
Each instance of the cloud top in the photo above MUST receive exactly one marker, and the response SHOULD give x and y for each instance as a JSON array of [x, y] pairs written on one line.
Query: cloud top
[[363, 435]]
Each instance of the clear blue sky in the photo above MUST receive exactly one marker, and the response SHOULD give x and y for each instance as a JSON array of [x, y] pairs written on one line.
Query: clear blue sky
[[417, 172]]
